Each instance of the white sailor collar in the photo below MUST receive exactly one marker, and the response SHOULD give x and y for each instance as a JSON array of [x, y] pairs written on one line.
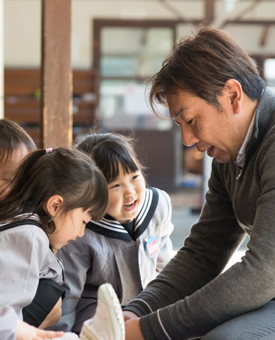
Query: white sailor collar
[[108, 226]]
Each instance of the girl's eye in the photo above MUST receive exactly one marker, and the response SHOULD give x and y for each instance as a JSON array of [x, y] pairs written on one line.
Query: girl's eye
[[135, 176], [114, 186]]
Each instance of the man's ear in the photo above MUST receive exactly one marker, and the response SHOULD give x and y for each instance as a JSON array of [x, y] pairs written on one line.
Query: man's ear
[[53, 204], [234, 91]]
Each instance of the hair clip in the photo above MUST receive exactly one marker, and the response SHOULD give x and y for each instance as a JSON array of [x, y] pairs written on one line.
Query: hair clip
[[49, 150]]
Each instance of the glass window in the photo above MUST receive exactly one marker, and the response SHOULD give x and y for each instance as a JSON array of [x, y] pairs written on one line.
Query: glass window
[[123, 105], [129, 56]]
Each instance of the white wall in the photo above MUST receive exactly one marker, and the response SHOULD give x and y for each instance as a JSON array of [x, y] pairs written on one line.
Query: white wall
[[22, 25]]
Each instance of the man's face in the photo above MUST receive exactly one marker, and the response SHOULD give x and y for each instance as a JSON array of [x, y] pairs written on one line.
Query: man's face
[[8, 167], [205, 126]]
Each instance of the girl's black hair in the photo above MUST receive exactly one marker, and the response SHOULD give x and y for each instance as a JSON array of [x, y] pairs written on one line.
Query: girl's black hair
[[109, 150], [65, 172], [12, 136]]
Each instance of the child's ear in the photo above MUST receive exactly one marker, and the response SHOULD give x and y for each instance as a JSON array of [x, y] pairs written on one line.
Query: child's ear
[[53, 204]]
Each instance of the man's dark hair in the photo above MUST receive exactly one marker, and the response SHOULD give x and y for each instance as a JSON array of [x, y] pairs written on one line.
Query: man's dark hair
[[201, 65]]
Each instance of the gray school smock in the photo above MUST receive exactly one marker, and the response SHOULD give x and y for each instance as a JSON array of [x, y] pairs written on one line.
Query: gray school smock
[[192, 295], [8, 323], [25, 257], [108, 254]]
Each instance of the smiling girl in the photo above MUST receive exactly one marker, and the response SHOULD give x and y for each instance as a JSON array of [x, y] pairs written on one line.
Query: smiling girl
[[49, 201], [129, 246]]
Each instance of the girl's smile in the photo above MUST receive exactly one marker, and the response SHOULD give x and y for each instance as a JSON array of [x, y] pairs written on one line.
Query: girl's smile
[[130, 206]]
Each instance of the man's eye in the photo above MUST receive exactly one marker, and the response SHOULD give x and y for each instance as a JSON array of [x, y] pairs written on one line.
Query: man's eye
[[84, 222], [189, 121]]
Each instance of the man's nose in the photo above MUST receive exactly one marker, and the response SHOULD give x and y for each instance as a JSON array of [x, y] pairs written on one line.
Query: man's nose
[[188, 137]]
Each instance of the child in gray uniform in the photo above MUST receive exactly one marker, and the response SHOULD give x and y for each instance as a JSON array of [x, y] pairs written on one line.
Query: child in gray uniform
[[129, 246], [51, 198]]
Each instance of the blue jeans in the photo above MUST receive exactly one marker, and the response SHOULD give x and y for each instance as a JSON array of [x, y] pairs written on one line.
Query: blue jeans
[[255, 325]]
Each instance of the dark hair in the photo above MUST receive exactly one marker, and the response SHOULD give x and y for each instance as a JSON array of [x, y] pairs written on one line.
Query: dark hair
[[201, 65], [65, 172], [109, 150], [12, 136]]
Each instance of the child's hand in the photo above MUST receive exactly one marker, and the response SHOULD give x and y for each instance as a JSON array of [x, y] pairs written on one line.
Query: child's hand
[[26, 332]]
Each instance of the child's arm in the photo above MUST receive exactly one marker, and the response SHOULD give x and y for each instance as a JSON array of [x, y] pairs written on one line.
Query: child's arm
[[46, 306], [12, 328], [26, 257], [76, 259]]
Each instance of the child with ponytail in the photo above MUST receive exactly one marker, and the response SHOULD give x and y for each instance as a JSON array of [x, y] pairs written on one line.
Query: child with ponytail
[[49, 201]]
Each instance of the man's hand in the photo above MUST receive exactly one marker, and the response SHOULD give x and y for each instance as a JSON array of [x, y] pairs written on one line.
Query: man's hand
[[26, 332], [132, 328], [129, 315]]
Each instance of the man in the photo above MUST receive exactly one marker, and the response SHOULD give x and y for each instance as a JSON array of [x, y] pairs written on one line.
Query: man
[[221, 104], [215, 95]]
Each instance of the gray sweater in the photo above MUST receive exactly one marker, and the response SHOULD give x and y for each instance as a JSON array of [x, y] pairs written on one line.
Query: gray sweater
[[192, 296]]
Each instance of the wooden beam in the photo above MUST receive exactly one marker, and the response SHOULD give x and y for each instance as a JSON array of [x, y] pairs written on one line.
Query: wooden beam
[[264, 36], [209, 12], [171, 9], [56, 79], [249, 22], [245, 11]]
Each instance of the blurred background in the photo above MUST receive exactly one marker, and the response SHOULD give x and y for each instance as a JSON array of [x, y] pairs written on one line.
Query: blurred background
[[114, 47]]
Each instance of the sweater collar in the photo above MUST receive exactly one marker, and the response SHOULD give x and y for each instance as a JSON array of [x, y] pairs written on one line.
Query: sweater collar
[[264, 118]]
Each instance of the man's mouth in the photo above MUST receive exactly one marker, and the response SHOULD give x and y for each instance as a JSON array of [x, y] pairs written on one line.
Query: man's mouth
[[211, 151]]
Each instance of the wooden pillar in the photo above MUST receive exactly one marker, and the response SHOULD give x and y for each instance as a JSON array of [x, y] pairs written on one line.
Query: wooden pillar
[[56, 74], [209, 8], [1, 59]]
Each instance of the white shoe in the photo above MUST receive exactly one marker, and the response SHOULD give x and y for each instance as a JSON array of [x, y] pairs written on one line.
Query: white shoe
[[108, 322]]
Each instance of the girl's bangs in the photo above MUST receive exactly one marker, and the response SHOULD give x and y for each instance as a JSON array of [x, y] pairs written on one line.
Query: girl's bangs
[[127, 162]]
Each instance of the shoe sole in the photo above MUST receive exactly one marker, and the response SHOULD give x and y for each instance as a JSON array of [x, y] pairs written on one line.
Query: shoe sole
[[108, 296]]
